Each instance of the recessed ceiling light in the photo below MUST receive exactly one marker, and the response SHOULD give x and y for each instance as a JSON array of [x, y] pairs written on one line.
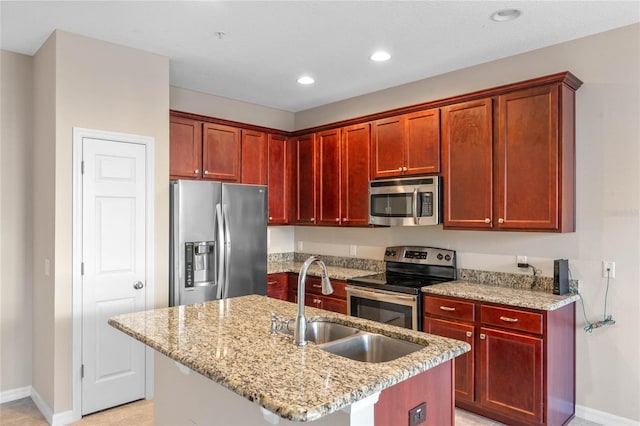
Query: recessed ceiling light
[[305, 79], [505, 15], [380, 56]]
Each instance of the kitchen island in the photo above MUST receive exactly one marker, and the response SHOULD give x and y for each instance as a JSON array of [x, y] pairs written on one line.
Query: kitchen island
[[238, 364]]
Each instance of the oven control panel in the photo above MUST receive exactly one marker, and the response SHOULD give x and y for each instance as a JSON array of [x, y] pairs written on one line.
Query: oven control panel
[[421, 255]]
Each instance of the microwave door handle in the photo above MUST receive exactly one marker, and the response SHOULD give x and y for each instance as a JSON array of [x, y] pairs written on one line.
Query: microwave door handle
[[416, 221]]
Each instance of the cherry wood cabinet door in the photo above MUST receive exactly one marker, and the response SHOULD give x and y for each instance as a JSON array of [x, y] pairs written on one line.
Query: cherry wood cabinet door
[[277, 286], [355, 175], [306, 175], [511, 374], [387, 147], [467, 161], [185, 148], [423, 142], [278, 179], [527, 158], [329, 169], [221, 152], [254, 157], [464, 364]]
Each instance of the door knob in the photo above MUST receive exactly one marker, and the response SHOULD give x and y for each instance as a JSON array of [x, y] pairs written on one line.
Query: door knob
[[138, 285]]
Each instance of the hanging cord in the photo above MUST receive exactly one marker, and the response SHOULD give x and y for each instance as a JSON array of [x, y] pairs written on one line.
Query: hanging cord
[[606, 320]]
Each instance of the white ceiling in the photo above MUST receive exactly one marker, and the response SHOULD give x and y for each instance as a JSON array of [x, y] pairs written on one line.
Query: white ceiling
[[268, 44]]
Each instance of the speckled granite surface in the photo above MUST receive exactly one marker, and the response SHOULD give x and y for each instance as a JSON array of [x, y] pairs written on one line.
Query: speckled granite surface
[[339, 268], [228, 341], [335, 272], [499, 294]]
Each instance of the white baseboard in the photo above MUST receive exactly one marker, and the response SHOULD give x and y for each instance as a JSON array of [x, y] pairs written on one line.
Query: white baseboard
[[14, 394], [45, 410], [603, 418]]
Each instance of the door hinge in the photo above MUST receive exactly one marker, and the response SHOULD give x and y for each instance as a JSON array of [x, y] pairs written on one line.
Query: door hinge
[[82, 268], [82, 371], [82, 167]]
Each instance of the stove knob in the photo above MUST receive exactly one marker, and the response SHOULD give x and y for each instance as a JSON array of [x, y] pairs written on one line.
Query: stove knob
[[439, 256], [447, 257], [387, 253]]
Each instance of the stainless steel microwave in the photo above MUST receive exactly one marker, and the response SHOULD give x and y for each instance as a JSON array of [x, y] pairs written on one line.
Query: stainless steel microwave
[[405, 202]]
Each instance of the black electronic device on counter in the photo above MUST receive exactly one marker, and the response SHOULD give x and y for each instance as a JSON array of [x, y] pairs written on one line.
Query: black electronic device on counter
[[560, 276]]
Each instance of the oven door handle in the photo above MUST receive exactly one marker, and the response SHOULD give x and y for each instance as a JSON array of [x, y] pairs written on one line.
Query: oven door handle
[[382, 296], [416, 221]]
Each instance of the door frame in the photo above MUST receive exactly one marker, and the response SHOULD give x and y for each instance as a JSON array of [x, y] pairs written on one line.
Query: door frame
[[149, 142]]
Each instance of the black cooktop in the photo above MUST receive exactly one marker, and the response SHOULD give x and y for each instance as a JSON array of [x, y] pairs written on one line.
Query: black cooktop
[[408, 268]]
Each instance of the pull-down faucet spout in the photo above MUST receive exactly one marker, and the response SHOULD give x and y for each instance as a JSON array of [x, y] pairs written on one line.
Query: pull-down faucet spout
[[300, 330]]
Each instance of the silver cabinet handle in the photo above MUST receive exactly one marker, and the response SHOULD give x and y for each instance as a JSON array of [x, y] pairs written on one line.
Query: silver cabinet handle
[[399, 169], [500, 220], [404, 169], [138, 285], [316, 286], [507, 319], [483, 336], [469, 334], [272, 282], [487, 220], [447, 308]]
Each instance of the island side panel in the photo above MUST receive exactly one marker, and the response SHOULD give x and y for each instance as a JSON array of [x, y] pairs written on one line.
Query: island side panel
[[434, 386]]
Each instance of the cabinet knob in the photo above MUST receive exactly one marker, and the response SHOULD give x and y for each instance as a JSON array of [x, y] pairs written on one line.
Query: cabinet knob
[[337, 220], [270, 218], [483, 336], [399, 169], [404, 169], [500, 220], [469, 334], [487, 220], [344, 219], [196, 171], [206, 172], [312, 220]]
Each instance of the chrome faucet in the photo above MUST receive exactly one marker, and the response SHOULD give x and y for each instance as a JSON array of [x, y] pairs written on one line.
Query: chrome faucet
[[300, 331]]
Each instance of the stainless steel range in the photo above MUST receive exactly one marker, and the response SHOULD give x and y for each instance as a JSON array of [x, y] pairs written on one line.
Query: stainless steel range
[[393, 297]]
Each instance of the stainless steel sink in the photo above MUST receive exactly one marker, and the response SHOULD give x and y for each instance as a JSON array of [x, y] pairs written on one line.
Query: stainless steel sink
[[370, 347], [323, 331]]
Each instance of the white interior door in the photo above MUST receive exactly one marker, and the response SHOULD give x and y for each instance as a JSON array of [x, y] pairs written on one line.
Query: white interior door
[[113, 281]]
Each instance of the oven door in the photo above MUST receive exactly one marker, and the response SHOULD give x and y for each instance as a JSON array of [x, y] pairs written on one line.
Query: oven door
[[402, 310]]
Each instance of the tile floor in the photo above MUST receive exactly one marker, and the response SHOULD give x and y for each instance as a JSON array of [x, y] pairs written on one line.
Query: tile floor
[[24, 412]]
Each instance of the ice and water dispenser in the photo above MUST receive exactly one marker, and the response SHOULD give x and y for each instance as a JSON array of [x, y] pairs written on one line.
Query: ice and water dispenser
[[199, 264]]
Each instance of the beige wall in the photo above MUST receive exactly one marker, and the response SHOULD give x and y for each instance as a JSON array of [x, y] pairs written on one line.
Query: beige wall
[[100, 86], [43, 168], [16, 205], [608, 201], [230, 109]]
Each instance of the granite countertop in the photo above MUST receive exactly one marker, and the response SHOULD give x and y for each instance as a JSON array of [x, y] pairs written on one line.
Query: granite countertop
[[518, 297], [228, 341], [335, 272]]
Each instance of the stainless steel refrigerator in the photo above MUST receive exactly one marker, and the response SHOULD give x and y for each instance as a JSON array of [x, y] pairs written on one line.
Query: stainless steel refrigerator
[[218, 241]]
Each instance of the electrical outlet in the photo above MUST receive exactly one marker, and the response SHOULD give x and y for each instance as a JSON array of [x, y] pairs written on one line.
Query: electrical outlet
[[522, 261], [608, 269], [418, 415]]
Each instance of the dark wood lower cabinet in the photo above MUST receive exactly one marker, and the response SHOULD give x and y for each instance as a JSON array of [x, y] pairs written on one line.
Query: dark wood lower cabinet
[[277, 287], [433, 387], [521, 368], [335, 302]]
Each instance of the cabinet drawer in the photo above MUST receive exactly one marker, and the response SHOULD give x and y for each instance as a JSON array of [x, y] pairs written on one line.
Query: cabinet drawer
[[448, 308], [314, 285], [513, 319]]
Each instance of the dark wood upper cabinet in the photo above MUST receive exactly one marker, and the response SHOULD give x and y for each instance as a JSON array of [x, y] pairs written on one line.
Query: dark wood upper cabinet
[[221, 152], [279, 179], [467, 164], [254, 157], [329, 179], [355, 175], [185, 148], [306, 177], [406, 145], [509, 161], [534, 162]]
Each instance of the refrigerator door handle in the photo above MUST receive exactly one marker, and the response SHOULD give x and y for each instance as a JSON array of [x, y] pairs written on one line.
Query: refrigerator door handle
[[227, 251], [220, 264]]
